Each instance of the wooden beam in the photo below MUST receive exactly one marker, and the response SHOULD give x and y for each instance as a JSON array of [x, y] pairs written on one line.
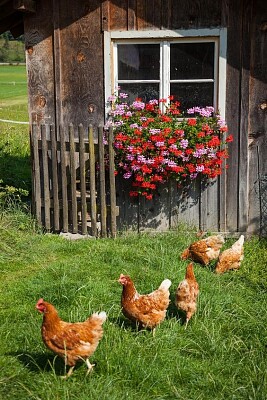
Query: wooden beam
[[27, 6], [17, 30], [10, 22], [6, 10]]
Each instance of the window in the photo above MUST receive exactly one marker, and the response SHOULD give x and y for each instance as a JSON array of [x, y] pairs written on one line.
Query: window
[[154, 64]]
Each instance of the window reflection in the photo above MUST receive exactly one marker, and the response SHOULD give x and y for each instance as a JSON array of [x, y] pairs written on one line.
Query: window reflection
[[192, 61], [145, 91], [138, 61], [193, 94]]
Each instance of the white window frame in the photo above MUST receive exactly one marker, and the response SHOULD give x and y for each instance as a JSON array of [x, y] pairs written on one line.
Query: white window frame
[[166, 37]]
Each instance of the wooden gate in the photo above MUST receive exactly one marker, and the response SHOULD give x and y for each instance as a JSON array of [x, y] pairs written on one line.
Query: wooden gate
[[73, 186]]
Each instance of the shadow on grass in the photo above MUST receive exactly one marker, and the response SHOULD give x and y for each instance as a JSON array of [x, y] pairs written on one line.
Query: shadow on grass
[[173, 311], [39, 362]]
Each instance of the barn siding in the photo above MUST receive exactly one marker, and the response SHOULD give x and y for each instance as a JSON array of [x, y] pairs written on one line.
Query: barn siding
[[258, 116], [65, 63]]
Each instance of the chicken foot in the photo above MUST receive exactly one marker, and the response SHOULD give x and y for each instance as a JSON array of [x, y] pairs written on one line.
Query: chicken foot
[[89, 366]]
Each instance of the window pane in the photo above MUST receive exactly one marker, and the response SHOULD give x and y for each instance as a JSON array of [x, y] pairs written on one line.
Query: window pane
[[138, 61], [193, 94], [146, 91], [192, 60]]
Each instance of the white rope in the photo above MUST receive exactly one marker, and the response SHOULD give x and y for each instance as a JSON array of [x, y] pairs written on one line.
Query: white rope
[[14, 122]]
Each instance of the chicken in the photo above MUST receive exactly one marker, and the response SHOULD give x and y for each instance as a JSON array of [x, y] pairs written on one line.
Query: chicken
[[231, 258], [71, 341], [147, 310], [187, 293], [205, 250]]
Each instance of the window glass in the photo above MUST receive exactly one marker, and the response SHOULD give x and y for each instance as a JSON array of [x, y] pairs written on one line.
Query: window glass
[[193, 94], [138, 61], [146, 91], [192, 60]]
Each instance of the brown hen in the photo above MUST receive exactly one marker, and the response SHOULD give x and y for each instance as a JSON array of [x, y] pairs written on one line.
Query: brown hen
[[187, 293], [147, 310], [231, 258], [71, 341], [205, 250]]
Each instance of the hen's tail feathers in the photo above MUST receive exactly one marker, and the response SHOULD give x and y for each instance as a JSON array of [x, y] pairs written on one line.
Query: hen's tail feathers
[[185, 254], [239, 243], [102, 316], [165, 284], [190, 272]]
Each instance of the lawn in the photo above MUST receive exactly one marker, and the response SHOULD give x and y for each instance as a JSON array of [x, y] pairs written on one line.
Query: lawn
[[15, 168], [221, 355], [13, 84]]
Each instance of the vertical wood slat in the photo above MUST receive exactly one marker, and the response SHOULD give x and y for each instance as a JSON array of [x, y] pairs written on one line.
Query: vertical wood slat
[[73, 181], [63, 180], [54, 177], [103, 208], [36, 174], [131, 14], [105, 15], [92, 181], [44, 132], [82, 179], [112, 184], [244, 118]]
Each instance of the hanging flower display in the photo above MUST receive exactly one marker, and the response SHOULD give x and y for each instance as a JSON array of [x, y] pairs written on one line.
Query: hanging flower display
[[154, 142]]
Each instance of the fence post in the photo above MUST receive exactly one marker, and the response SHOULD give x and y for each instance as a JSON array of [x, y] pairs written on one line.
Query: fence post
[[63, 179], [92, 181], [103, 208], [82, 179], [44, 131], [73, 181], [36, 174], [112, 184]]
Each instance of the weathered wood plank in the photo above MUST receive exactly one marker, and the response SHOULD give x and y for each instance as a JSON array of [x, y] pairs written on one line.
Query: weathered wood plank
[[105, 15], [45, 173], [112, 187], [118, 15], [128, 216], [39, 53], [81, 64], [74, 211], [195, 14], [103, 206], [64, 182], [258, 119], [233, 104], [209, 206], [82, 179], [36, 173], [244, 114], [131, 15], [93, 209], [188, 204], [54, 177]]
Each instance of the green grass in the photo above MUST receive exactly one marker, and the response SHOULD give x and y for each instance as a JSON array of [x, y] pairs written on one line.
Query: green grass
[[13, 84], [15, 168], [221, 355]]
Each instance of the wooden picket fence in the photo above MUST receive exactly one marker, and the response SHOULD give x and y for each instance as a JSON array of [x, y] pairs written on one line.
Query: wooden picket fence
[[73, 188]]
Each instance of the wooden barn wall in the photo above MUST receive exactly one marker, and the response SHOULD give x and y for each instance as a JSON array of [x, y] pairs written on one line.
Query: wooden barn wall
[[258, 119], [64, 42], [64, 45]]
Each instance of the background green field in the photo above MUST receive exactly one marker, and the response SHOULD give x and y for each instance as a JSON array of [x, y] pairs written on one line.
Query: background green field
[[15, 167], [13, 85]]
